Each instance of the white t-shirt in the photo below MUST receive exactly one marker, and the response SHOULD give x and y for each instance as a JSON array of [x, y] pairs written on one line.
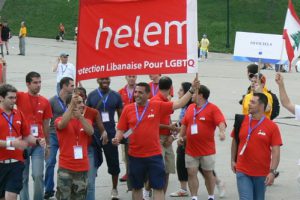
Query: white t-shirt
[[297, 112], [65, 70]]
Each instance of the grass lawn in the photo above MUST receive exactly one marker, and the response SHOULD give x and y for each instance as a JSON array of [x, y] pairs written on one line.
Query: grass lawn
[[263, 16]]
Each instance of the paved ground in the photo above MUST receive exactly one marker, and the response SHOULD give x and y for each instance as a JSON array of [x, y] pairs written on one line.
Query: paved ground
[[227, 81]]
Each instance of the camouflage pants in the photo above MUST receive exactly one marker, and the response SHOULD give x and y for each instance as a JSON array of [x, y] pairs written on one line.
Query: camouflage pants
[[71, 185]]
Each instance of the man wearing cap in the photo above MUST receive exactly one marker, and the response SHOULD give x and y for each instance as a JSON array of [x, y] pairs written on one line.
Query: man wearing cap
[[63, 69], [258, 88]]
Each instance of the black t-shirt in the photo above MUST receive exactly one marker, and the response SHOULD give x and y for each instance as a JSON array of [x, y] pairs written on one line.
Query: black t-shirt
[[5, 33]]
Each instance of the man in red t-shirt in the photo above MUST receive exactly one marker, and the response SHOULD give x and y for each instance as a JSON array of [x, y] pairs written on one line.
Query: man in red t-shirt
[[154, 85], [255, 151], [14, 137], [37, 112], [127, 98], [167, 130], [198, 126], [141, 122], [73, 132]]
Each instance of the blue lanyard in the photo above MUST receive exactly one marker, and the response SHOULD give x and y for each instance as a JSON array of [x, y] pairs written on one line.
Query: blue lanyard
[[130, 95], [199, 111], [10, 121], [139, 118], [251, 129], [154, 91], [101, 96], [61, 103]]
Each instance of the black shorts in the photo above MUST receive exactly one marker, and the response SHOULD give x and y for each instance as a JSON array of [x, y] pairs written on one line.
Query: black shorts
[[11, 178]]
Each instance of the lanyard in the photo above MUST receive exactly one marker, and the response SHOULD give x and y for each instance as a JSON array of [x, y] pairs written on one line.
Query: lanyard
[[199, 111], [9, 120], [105, 100], [61, 103], [154, 91], [130, 94], [62, 69], [251, 129], [139, 118]]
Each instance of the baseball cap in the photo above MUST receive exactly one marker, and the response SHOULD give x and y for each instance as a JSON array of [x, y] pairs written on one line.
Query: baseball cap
[[64, 55]]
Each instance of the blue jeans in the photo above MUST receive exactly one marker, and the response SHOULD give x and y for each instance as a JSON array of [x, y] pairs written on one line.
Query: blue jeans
[[250, 187], [91, 174], [50, 164], [37, 155]]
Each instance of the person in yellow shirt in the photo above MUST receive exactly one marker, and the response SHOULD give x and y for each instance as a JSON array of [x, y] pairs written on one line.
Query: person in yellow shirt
[[22, 36], [204, 43], [255, 87]]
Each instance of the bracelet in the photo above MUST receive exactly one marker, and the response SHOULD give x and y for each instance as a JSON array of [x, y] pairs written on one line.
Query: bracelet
[[191, 90], [8, 143]]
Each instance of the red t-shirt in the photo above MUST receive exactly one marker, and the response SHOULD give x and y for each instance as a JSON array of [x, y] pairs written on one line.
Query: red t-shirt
[[166, 119], [256, 158], [67, 139], [20, 129], [144, 141], [126, 98], [35, 109], [91, 114], [154, 89], [202, 143]]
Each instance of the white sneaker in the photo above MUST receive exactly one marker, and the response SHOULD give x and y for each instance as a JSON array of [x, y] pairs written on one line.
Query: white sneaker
[[221, 189], [179, 193], [146, 194], [114, 194]]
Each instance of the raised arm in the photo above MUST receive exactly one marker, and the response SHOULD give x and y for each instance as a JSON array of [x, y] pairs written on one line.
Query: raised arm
[[284, 99]]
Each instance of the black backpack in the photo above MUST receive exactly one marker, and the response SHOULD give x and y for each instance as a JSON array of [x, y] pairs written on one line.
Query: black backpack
[[275, 106]]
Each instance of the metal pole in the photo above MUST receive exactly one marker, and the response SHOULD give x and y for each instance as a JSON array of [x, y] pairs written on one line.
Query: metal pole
[[227, 42]]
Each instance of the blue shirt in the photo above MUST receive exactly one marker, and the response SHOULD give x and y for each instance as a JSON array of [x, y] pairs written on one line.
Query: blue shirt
[[113, 103]]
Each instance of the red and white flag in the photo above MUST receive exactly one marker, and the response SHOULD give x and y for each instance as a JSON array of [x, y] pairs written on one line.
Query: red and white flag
[[291, 34], [130, 37]]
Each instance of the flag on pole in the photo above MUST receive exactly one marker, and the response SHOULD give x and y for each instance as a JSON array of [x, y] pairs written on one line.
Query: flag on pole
[[291, 34]]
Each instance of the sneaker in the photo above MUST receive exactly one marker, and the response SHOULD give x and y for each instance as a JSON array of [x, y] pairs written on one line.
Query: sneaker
[[48, 195], [114, 194], [221, 189], [146, 194], [123, 178], [180, 193]]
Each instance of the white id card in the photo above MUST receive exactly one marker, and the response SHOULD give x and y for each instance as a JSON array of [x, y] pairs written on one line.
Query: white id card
[[194, 129], [10, 139], [34, 130], [78, 154], [105, 117], [128, 133], [243, 149]]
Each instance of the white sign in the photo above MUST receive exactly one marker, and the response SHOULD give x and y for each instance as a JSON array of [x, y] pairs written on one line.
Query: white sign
[[255, 47]]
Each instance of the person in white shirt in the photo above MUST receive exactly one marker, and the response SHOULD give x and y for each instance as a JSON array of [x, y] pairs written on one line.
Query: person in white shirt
[[63, 69]]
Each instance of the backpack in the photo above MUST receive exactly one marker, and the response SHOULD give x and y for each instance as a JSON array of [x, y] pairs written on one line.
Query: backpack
[[275, 106]]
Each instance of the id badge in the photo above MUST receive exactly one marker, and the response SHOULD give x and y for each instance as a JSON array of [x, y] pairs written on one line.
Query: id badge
[[78, 154], [243, 149], [194, 129], [105, 117], [34, 130], [10, 139], [128, 133]]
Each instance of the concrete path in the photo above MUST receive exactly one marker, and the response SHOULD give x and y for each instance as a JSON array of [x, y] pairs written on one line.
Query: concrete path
[[227, 81]]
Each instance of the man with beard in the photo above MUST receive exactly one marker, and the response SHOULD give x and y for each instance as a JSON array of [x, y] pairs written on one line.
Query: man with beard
[[14, 137], [58, 106], [107, 102], [37, 111]]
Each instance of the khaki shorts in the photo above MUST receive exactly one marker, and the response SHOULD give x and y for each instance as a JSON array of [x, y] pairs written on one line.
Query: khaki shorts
[[205, 162], [168, 156]]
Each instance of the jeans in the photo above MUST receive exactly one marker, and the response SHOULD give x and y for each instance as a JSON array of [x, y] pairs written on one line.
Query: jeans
[[91, 174], [22, 45], [250, 187], [50, 164], [37, 155]]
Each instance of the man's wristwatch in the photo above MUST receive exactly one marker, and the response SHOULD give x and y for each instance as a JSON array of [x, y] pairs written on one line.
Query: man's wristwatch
[[274, 172], [191, 90]]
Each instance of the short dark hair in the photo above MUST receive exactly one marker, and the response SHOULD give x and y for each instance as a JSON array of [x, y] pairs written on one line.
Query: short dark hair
[[145, 85], [65, 81], [186, 86], [82, 89], [165, 83], [5, 88], [69, 99], [204, 91], [252, 68], [262, 99], [31, 75]]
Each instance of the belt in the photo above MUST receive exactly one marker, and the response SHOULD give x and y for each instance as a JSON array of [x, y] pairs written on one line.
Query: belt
[[8, 161]]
